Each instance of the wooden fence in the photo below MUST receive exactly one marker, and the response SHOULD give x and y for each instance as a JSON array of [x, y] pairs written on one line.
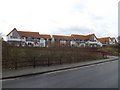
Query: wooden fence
[[53, 56], [42, 61]]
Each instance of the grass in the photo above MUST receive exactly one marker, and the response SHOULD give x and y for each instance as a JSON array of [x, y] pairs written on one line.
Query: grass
[[25, 56], [115, 50]]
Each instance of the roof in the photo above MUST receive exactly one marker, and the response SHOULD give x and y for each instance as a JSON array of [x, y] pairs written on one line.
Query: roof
[[83, 37], [103, 40], [28, 34], [45, 36], [31, 34], [62, 37]]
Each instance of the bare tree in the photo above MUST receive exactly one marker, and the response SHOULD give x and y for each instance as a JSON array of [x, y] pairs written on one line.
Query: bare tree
[[1, 35]]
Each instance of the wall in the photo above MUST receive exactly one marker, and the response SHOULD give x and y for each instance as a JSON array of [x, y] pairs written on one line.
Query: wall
[[42, 42]]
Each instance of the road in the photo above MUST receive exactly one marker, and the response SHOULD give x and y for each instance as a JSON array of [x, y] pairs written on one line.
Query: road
[[104, 75]]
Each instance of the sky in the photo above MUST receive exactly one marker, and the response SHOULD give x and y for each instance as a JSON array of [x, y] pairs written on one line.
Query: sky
[[60, 17]]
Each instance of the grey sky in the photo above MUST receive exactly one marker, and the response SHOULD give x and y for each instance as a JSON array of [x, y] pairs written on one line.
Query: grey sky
[[62, 17]]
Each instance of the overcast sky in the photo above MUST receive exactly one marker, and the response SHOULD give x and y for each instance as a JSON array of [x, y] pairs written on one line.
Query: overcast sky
[[62, 17]]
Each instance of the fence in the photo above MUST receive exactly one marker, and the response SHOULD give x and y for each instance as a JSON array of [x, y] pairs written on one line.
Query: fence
[[26, 57], [43, 61]]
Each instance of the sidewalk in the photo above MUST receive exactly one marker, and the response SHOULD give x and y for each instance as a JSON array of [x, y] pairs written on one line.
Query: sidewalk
[[40, 70]]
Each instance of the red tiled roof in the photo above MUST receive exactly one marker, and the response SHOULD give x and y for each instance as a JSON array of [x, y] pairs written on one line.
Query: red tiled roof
[[45, 36], [28, 34], [83, 37], [31, 34], [103, 40], [62, 37]]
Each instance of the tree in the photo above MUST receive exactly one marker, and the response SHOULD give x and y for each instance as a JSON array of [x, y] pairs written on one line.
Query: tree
[[1, 35]]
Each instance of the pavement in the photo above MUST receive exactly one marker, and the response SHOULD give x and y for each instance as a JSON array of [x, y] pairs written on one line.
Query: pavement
[[30, 71], [102, 75]]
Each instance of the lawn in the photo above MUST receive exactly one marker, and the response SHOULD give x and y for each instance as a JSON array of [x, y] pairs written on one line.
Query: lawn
[[115, 50]]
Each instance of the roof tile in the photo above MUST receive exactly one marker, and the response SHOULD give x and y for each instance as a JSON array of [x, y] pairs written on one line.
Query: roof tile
[[62, 37], [83, 37], [45, 36], [28, 34]]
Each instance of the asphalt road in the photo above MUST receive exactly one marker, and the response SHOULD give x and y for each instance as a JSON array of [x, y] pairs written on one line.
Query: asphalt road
[[104, 75]]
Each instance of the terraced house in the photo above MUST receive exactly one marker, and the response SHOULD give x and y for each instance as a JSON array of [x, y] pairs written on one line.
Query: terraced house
[[60, 40], [25, 38]]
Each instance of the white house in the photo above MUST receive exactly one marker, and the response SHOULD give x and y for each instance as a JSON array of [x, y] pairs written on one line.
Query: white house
[[86, 40], [107, 41], [25, 38]]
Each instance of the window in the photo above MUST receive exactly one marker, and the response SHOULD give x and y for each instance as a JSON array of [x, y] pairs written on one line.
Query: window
[[29, 38], [22, 37], [41, 38], [35, 38]]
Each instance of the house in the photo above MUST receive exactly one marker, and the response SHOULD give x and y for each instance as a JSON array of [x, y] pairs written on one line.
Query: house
[[86, 40], [107, 41], [60, 40], [25, 38], [114, 41]]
